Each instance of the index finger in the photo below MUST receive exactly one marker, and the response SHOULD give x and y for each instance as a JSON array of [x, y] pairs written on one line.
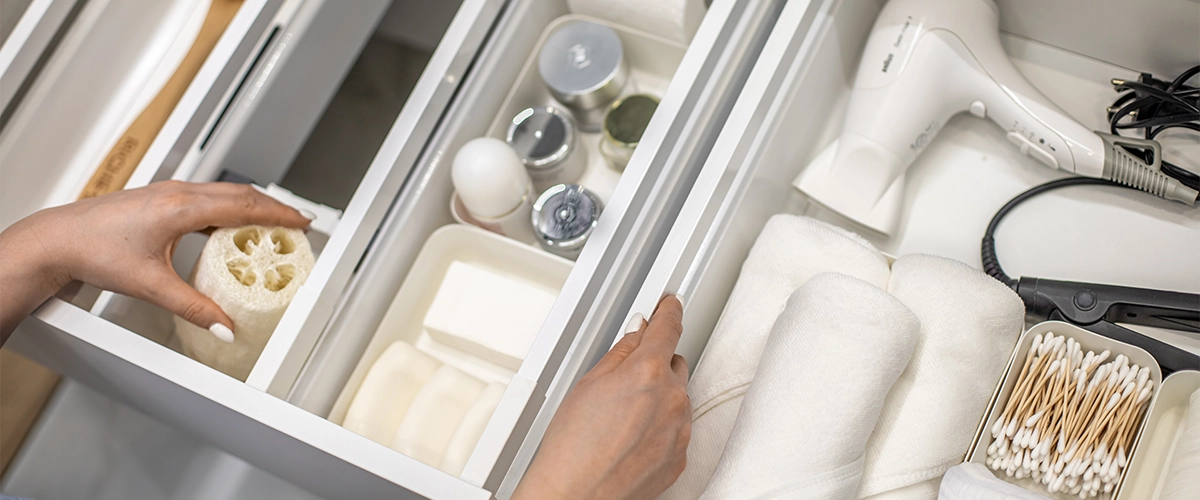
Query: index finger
[[661, 337], [230, 205]]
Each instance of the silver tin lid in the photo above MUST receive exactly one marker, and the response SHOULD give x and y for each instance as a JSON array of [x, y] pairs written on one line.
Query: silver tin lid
[[583, 64], [564, 217], [542, 137]]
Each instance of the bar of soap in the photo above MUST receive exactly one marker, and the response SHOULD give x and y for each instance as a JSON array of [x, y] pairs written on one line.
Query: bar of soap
[[388, 390], [487, 314], [435, 413], [466, 436], [252, 272]]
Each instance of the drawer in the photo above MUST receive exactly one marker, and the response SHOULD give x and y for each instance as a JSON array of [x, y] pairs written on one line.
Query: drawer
[[76, 74], [791, 108], [281, 418]]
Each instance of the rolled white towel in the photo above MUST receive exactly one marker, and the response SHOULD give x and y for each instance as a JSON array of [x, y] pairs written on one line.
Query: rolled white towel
[[971, 481], [252, 272], [969, 325], [832, 357], [1183, 474], [789, 251]]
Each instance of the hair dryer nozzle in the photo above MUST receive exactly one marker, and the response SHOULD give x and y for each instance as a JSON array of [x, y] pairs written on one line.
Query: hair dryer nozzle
[[858, 179]]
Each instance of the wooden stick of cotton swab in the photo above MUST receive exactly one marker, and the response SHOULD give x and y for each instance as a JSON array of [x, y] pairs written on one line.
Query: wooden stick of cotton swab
[[1071, 419]]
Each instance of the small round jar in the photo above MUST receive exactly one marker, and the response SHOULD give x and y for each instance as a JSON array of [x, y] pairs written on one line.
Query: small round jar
[[564, 217], [583, 64], [624, 125], [547, 143]]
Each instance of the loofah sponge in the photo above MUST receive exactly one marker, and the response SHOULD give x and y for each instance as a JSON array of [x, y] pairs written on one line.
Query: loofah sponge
[[252, 272]]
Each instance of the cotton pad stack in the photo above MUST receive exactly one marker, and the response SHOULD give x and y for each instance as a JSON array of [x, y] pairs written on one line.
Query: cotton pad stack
[[972, 481], [1183, 475], [252, 272]]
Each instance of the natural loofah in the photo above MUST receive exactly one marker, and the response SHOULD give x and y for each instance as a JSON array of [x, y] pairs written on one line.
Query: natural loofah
[[252, 272]]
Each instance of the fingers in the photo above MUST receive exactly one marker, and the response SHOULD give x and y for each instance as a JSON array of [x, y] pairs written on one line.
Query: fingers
[[223, 204], [624, 347], [662, 335], [170, 292], [679, 367]]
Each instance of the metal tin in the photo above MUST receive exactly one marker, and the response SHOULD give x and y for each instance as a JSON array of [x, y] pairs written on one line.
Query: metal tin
[[624, 125], [564, 217], [546, 141], [583, 64]]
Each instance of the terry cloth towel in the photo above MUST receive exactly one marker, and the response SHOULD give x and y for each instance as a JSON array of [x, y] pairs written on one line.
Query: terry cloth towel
[[789, 251], [969, 325], [831, 359], [1183, 475], [971, 481]]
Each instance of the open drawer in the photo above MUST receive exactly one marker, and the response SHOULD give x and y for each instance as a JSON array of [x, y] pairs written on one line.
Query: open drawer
[[967, 173], [279, 419], [792, 106]]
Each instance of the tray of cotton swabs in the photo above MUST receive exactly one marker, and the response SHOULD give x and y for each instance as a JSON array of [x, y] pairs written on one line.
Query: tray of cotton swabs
[[1068, 413]]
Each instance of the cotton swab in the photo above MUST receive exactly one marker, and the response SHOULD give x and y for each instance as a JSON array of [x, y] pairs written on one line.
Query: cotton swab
[[1071, 418]]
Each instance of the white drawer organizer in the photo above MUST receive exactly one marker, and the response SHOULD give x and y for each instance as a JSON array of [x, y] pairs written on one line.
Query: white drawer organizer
[[791, 107], [249, 111]]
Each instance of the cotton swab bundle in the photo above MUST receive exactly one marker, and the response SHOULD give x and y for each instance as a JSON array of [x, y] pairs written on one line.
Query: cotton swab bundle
[[1071, 418]]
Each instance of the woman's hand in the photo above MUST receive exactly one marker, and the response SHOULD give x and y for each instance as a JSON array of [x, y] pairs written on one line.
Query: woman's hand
[[623, 432], [123, 242]]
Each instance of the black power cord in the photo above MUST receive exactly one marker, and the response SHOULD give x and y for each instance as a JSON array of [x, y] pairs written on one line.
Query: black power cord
[[1155, 106], [991, 264], [1149, 104]]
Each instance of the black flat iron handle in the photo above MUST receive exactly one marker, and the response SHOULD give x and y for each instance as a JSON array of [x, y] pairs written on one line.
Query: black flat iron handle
[[1090, 303], [1170, 358]]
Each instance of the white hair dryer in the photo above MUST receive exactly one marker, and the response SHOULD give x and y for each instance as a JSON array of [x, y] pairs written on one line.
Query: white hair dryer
[[926, 61]]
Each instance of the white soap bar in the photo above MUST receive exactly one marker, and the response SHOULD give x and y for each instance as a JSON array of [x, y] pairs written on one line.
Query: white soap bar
[[388, 391], [466, 436], [252, 272], [487, 314], [435, 413]]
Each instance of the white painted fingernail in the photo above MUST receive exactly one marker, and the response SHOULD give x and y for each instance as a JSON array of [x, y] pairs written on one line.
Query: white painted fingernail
[[307, 214], [635, 323], [681, 302], [222, 332]]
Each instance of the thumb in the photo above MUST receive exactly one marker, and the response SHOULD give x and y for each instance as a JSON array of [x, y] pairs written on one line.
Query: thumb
[[176, 296]]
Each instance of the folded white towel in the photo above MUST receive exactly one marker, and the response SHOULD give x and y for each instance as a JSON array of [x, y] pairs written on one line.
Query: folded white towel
[[1183, 475], [969, 325], [971, 481], [832, 357], [789, 251]]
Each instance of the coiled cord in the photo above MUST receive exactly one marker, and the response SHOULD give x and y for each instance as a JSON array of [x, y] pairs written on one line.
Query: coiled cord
[[1149, 104], [1154, 106]]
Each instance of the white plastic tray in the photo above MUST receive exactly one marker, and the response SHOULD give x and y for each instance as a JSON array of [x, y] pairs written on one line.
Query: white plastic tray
[[403, 320], [1089, 342], [1152, 459]]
